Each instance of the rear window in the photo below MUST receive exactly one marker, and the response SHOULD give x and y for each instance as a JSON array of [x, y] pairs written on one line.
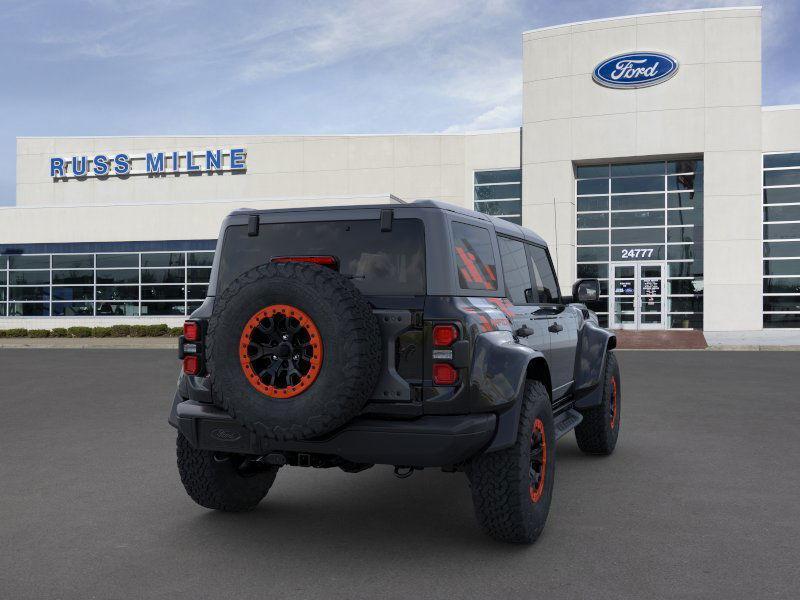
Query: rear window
[[389, 263], [474, 257]]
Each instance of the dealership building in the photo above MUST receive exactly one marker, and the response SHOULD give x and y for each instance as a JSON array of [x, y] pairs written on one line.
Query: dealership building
[[645, 158]]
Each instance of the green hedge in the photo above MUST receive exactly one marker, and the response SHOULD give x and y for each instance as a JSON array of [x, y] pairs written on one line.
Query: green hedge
[[116, 331]]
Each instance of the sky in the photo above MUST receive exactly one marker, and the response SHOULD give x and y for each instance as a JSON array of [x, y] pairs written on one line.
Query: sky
[[174, 67]]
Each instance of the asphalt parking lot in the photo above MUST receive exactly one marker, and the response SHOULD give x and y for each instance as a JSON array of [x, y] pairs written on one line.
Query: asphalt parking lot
[[700, 500]]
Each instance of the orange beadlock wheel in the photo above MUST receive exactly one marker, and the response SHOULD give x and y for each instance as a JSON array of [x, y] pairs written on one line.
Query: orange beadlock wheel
[[280, 351], [538, 469]]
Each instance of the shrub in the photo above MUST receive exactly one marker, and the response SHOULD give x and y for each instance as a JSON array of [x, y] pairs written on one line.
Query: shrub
[[138, 330], [101, 332], [38, 333], [59, 332], [16, 332], [80, 332], [120, 330], [156, 330], [175, 331]]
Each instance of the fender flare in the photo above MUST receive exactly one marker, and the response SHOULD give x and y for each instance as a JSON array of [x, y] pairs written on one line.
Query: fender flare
[[594, 344]]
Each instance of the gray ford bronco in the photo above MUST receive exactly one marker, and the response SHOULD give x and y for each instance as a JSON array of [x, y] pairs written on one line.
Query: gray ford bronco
[[413, 335]]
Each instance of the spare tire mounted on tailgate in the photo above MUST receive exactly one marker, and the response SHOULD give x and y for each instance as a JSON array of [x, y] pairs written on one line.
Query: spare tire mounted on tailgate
[[293, 349]]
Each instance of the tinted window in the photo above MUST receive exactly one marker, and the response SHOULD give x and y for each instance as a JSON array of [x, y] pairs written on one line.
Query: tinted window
[[546, 283], [380, 263], [73, 261], [515, 270], [474, 257]]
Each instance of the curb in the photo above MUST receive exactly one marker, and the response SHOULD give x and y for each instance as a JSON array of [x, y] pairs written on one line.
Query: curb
[[160, 343]]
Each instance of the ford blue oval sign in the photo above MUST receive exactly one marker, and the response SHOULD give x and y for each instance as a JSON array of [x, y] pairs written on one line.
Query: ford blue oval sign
[[635, 70]]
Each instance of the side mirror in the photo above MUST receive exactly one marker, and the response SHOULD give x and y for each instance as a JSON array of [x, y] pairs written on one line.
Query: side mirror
[[586, 290]]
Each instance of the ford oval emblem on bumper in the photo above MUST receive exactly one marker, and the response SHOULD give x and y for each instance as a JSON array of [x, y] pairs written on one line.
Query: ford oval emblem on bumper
[[226, 435], [635, 70]]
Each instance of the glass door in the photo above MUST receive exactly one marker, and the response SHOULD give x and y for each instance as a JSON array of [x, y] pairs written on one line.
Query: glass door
[[637, 295]]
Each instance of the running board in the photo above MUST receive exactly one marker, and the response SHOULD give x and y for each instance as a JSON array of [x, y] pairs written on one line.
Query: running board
[[566, 422]]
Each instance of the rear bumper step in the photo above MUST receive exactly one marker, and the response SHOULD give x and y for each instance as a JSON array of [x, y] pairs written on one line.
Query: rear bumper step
[[428, 441]]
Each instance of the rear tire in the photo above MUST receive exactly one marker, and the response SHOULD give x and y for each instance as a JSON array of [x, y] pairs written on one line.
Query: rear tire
[[213, 480], [512, 497], [599, 430]]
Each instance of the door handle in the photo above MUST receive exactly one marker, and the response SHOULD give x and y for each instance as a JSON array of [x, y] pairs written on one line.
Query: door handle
[[555, 328], [524, 331]]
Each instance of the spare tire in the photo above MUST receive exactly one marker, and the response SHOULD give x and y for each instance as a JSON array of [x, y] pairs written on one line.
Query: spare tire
[[293, 350]]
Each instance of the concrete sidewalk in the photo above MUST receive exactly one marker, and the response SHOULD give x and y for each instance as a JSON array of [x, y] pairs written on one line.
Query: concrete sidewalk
[[97, 343]]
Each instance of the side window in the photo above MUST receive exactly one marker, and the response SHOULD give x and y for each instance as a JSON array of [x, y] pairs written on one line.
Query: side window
[[546, 284], [515, 270], [474, 257]]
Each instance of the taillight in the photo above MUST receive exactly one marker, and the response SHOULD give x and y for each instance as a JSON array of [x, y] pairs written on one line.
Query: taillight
[[444, 335], [444, 374], [191, 331], [191, 364], [325, 261]]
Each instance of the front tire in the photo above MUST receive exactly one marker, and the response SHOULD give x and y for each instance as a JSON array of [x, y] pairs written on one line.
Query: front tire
[[512, 488], [215, 480], [599, 430]]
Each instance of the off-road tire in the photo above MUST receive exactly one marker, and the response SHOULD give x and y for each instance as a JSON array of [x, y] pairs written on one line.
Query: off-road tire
[[351, 350], [212, 479], [501, 481], [599, 430]]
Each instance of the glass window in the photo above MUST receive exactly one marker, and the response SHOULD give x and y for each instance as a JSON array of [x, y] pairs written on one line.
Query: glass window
[[636, 184], [638, 218], [28, 309], [680, 234], [782, 213], [592, 271], [684, 182], [163, 276], [73, 261], [118, 276], [686, 321], [782, 303], [73, 277], [782, 267], [593, 220], [684, 199], [637, 202], [587, 171], [515, 270], [782, 285], [680, 269], [2, 277], [684, 217], [199, 275], [29, 293], [163, 259], [596, 254], [499, 207], [117, 309], [23, 261], [790, 159], [498, 176], [651, 168], [163, 308], [117, 292], [685, 304], [2, 310], [782, 249], [73, 292], [596, 203], [73, 309], [105, 261], [29, 277], [162, 292], [684, 166], [498, 192], [196, 292], [593, 236], [474, 257], [678, 252], [592, 186], [193, 306], [788, 177], [782, 231], [782, 195], [3, 262], [786, 320], [2, 294], [383, 263], [685, 286], [637, 236], [547, 291], [201, 259]]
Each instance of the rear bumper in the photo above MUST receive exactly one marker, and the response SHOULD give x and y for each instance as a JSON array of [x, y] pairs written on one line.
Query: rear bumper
[[428, 441]]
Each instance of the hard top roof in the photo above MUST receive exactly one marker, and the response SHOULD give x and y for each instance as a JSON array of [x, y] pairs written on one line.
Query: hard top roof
[[500, 225]]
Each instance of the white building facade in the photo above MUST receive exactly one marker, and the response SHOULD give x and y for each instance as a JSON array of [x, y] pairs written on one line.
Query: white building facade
[[672, 184]]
